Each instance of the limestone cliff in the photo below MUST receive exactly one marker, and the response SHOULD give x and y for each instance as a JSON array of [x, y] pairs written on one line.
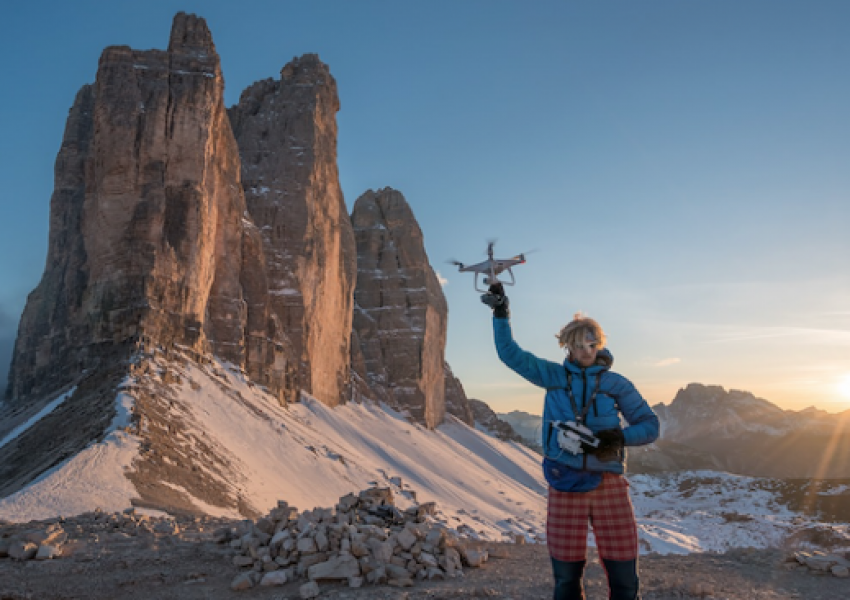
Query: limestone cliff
[[400, 312], [146, 221], [148, 243], [286, 131], [457, 403]]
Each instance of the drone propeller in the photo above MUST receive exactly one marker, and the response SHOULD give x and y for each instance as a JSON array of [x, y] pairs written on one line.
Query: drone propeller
[[454, 262], [490, 243], [521, 255]]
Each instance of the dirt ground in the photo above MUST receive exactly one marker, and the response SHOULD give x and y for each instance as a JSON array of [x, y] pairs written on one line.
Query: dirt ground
[[100, 564]]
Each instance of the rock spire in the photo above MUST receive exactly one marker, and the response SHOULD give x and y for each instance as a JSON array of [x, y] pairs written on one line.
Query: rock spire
[[146, 220], [400, 313], [286, 131]]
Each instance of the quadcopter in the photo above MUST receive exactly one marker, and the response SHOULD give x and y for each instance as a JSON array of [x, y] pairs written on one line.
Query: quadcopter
[[491, 268]]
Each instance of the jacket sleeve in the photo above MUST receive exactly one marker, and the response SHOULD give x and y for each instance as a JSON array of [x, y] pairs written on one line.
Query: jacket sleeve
[[538, 371], [643, 425]]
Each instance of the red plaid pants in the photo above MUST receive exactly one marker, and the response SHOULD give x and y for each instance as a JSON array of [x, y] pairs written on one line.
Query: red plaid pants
[[608, 508]]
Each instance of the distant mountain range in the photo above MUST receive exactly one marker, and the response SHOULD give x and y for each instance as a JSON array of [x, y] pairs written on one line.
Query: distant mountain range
[[707, 427], [527, 426]]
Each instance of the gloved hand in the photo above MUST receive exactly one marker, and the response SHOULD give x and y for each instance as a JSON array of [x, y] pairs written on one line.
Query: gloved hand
[[611, 442], [495, 298], [588, 449]]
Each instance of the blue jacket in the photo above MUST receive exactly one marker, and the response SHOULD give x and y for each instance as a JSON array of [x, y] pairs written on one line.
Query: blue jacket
[[615, 395]]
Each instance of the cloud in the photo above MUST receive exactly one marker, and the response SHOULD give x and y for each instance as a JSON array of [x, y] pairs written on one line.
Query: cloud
[[667, 362], [443, 281]]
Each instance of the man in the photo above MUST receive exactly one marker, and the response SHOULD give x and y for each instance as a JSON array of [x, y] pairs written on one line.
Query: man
[[583, 445]]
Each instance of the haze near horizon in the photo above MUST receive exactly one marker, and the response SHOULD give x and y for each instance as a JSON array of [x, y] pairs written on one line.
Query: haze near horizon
[[681, 167]]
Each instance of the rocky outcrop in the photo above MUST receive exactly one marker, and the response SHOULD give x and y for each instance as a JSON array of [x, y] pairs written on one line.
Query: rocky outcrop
[[147, 218], [53, 321], [286, 131], [150, 246], [490, 422], [526, 425], [457, 404], [400, 312]]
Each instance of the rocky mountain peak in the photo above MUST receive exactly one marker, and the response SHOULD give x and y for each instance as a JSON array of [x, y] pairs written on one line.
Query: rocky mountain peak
[[189, 33], [308, 70], [742, 433], [147, 151], [488, 420], [705, 399], [148, 237], [400, 313], [287, 135], [699, 408]]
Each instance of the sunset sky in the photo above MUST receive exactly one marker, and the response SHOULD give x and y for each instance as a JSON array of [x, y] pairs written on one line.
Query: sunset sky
[[682, 168]]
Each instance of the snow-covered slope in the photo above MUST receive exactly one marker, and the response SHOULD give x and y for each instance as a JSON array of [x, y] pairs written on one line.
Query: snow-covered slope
[[307, 454], [311, 455], [707, 511]]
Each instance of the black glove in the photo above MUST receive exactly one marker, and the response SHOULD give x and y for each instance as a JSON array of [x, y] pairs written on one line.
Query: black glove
[[611, 442], [495, 298]]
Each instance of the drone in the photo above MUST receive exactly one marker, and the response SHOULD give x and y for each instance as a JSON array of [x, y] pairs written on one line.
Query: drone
[[491, 268]]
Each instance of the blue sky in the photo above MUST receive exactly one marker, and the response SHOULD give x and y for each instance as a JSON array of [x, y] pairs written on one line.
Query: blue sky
[[681, 167]]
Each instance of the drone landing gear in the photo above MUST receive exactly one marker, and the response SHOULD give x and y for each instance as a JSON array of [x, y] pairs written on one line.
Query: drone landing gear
[[492, 279]]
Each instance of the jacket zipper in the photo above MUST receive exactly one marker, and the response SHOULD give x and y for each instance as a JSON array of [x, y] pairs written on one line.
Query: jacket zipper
[[583, 404]]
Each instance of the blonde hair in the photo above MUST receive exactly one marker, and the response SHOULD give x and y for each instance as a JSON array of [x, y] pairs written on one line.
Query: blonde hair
[[575, 331]]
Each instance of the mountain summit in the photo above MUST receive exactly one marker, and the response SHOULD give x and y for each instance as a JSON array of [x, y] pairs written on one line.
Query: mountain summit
[[745, 434]]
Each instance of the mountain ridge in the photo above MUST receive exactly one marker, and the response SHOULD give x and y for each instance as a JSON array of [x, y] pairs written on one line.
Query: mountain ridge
[[706, 426]]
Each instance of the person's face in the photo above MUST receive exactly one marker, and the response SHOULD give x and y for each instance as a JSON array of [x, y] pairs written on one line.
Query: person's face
[[584, 354]]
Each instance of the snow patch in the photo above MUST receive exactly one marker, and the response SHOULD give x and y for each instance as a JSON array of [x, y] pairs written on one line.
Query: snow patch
[[93, 478]]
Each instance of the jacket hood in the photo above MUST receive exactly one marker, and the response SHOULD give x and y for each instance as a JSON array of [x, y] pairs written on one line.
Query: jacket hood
[[604, 359]]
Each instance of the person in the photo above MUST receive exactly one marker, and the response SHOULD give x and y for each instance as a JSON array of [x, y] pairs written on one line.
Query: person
[[584, 468]]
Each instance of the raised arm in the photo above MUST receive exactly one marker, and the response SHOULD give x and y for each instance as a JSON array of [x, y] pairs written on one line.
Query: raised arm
[[538, 371]]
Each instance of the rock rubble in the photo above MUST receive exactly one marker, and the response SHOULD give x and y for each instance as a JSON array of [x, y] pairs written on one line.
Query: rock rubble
[[364, 539], [60, 537], [821, 562]]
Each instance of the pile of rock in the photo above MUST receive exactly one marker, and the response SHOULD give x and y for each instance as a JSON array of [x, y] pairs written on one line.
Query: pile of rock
[[33, 544], [365, 539], [821, 562]]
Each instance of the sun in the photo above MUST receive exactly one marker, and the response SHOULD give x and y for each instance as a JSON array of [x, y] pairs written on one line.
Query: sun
[[844, 386]]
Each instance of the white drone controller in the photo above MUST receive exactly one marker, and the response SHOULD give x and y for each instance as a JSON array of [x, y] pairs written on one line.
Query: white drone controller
[[571, 435]]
